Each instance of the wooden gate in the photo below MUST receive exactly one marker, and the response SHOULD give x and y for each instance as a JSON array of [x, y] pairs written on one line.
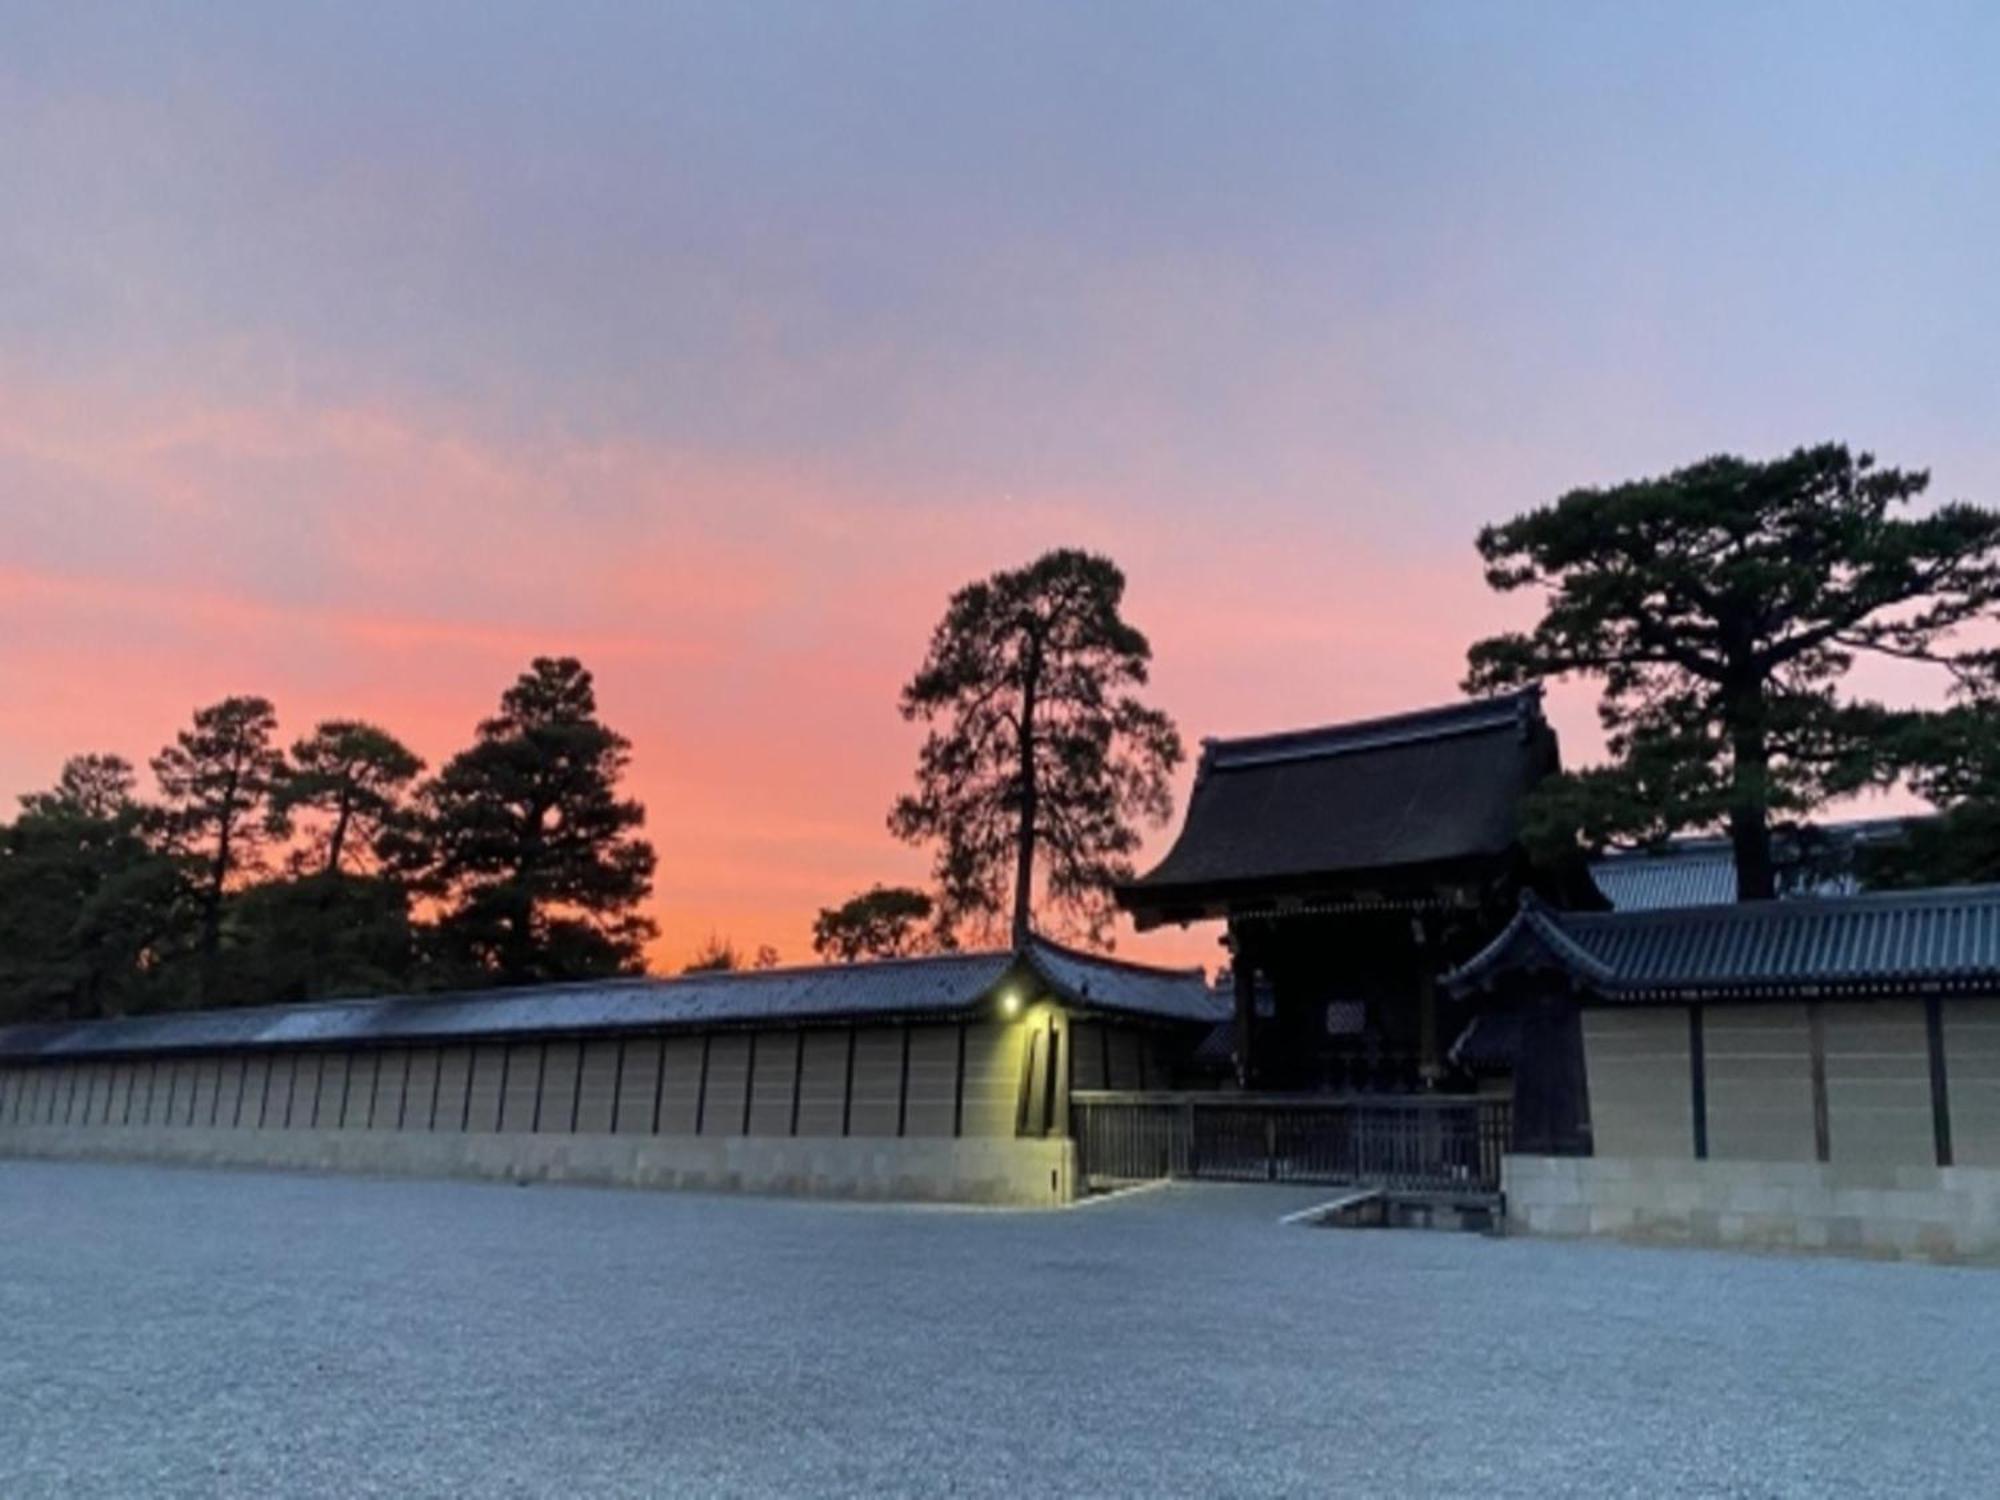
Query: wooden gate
[[1407, 1143]]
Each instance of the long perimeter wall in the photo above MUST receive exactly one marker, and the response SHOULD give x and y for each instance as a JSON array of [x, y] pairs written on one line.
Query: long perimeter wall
[[970, 1112]]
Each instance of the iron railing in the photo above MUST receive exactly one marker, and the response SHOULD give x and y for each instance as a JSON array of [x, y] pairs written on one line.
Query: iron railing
[[1417, 1143]]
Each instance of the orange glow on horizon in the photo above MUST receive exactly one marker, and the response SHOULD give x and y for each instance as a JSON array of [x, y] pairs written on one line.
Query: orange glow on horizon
[[749, 629]]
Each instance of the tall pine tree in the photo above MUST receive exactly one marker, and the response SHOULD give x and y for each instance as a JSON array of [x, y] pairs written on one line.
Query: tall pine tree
[[215, 784], [529, 845], [1719, 607], [1041, 762]]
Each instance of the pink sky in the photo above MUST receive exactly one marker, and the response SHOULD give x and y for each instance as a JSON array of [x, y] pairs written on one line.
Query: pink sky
[[749, 629], [355, 361]]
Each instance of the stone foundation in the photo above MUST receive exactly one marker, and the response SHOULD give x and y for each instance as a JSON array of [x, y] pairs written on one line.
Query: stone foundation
[[989, 1170], [1912, 1212]]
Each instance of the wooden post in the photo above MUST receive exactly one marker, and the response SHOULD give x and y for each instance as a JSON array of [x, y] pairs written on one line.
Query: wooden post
[[847, 1088], [903, 1086], [1052, 1074], [1698, 1082], [1816, 1033], [701, 1085], [1244, 975], [799, 1073], [958, 1087], [1940, 1093], [618, 1086], [1428, 1068]]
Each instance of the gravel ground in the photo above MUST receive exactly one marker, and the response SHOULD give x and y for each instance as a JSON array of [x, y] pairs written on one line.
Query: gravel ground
[[170, 1332]]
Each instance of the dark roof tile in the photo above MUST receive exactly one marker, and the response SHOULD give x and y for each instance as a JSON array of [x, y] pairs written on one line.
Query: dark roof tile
[[1382, 795], [942, 984], [1904, 940]]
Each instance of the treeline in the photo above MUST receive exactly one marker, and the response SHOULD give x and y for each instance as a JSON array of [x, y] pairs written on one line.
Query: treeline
[[256, 872]]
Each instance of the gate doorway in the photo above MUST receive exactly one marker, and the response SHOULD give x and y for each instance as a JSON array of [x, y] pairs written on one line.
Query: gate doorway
[[1424, 1144]]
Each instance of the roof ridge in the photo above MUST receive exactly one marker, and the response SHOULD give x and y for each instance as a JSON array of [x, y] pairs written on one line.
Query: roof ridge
[[1112, 961], [901, 960], [1438, 721], [1800, 906], [498, 992]]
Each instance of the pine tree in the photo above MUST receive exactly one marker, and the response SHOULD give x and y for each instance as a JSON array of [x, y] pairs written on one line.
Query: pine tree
[[88, 903], [215, 783], [529, 845], [351, 780], [884, 921], [1719, 607], [1041, 761]]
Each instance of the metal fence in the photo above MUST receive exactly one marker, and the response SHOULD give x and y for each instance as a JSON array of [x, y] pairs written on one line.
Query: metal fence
[[1419, 1143]]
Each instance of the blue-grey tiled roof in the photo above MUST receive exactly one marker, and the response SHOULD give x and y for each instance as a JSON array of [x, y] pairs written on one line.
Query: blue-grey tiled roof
[[1685, 876], [943, 984], [1701, 870], [1901, 941]]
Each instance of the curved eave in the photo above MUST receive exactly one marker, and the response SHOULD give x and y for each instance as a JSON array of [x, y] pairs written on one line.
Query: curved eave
[[1533, 939]]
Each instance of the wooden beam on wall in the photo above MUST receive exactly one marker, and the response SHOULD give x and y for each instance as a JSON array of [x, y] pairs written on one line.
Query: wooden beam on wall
[[1053, 1067], [1025, 1086], [958, 1087], [798, 1073], [1816, 1033], [1698, 1082], [541, 1082], [659, 1084], [903, 1087], [617, 1084], [701, 1086], [847, 1088], [1940, 1089]]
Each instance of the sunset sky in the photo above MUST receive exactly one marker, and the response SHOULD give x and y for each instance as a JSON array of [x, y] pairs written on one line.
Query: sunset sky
[[354, 354]]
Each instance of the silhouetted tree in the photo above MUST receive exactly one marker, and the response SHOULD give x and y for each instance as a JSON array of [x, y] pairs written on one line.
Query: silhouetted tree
[[1719, 606], [351, 780], [88, 903], [215, 781], [529, 845], [1040, 758], [882, 922], [715, 956], [1953, 759], [312, 937]]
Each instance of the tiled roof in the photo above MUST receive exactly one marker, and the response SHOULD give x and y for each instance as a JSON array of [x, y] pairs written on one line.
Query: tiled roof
[[1903, 941], [1701, 870], [943, 984], [1693, 874], [1350, 801]]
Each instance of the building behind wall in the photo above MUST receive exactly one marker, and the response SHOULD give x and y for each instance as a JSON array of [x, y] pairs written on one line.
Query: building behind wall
[[944, 1077]]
